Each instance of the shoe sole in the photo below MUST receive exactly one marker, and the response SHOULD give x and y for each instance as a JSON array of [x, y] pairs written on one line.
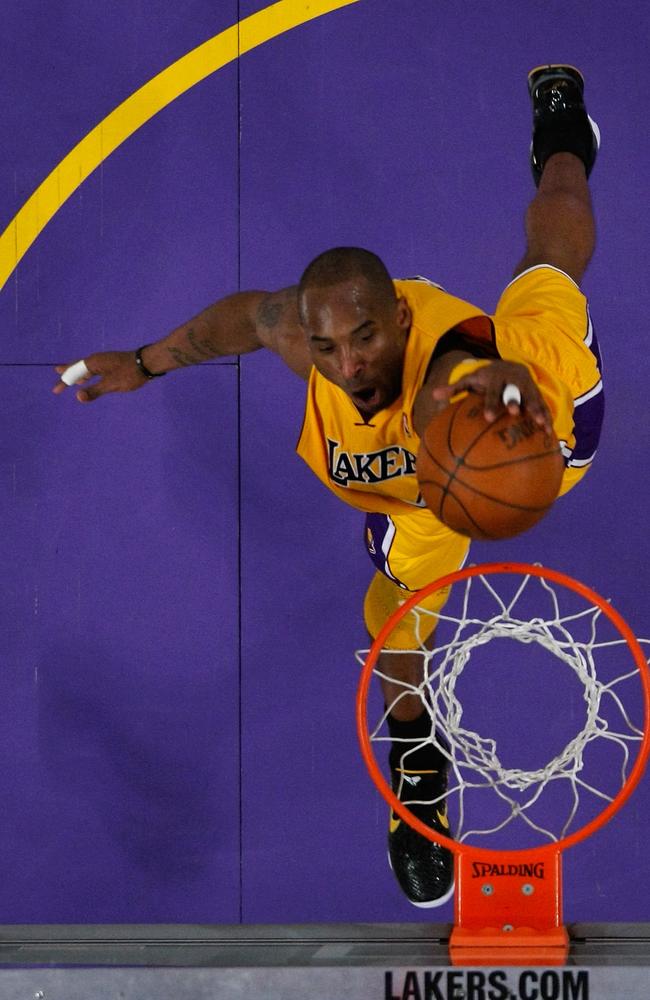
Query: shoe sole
[[549, 68], [434, 902]]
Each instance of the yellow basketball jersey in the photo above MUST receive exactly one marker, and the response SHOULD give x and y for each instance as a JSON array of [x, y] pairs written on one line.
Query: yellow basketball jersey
[[372, 466]]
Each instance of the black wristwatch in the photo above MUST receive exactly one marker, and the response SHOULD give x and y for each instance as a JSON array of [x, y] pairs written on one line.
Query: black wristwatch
[[143, 368]]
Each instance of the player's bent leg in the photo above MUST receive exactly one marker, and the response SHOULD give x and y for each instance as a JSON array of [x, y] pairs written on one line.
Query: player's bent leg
[[560, 226]]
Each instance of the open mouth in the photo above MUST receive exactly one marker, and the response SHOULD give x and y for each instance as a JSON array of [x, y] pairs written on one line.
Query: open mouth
[[366, 396]]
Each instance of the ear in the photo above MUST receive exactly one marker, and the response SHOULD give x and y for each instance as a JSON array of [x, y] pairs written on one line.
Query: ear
[[403, 315]]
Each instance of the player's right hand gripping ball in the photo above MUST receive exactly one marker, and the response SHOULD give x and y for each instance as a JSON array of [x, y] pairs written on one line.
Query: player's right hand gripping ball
[[488, 480]]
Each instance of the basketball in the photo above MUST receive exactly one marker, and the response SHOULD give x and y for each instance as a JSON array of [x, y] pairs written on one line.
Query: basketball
[[488, 480]]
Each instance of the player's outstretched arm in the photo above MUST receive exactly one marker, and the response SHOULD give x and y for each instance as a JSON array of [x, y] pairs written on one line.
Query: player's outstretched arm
[[237, 324]]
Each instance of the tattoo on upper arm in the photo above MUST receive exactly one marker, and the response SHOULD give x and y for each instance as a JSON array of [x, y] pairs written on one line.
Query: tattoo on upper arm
[[269, 312], [279, 329], [272, 309]]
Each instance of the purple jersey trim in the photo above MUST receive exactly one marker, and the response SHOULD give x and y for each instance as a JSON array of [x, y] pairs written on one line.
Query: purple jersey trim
[[588, 417], [588, 411]]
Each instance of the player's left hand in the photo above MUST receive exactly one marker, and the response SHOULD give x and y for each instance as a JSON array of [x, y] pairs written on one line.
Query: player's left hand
[[115, 371], [489, 381]]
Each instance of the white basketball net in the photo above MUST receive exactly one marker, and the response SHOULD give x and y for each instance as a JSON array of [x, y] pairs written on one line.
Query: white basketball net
[[474, 763]]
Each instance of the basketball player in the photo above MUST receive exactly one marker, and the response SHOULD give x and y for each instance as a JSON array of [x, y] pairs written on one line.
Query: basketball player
[[381, 357]]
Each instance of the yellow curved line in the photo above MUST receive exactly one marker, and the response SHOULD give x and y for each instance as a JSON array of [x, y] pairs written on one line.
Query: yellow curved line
[[141, 106]]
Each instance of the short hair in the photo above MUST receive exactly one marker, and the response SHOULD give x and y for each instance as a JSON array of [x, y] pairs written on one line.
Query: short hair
[[343, 263]]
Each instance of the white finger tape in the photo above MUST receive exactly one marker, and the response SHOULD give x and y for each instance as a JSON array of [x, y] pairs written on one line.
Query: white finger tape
[[511, 394], [75, 373]]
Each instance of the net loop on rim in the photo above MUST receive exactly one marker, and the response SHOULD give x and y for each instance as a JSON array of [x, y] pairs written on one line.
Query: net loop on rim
[[577, 638]]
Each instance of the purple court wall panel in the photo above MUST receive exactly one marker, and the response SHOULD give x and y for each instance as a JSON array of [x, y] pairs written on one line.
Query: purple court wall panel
[[150, 238], [121, 564], [68, 67], [405, 128], [120, 667]]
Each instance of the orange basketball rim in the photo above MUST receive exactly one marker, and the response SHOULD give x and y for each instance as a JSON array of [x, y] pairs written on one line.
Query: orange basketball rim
[[517, 923]]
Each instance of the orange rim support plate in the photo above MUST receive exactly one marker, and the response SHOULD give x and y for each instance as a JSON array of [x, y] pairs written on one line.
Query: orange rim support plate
[[492, 893]]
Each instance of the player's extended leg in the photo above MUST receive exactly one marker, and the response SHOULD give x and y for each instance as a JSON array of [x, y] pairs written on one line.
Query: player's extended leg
[[418, 769], [560, 227]]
